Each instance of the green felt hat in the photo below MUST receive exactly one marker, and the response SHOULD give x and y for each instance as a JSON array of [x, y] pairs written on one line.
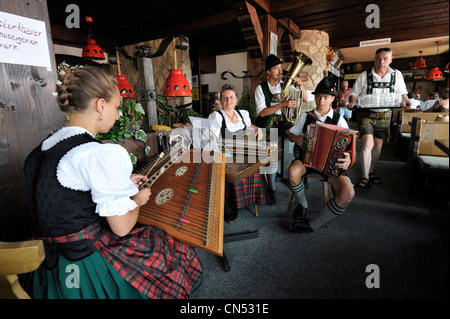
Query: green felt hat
[[326, 86]]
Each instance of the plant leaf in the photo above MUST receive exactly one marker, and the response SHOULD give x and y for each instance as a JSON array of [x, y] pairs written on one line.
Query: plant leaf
[[133, 159], [139, 108], [140, 135]]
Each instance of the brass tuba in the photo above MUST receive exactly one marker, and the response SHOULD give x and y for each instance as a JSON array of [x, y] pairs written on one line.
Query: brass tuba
[[291, 115]]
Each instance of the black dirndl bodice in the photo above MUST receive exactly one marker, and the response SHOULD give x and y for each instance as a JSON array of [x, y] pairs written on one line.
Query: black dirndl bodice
[[57, 210]]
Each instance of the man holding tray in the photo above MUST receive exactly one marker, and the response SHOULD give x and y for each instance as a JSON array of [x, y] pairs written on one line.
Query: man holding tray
[[374, 123]]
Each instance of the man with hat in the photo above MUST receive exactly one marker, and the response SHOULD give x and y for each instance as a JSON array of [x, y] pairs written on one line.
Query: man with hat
[[268, 107], [342, 187]]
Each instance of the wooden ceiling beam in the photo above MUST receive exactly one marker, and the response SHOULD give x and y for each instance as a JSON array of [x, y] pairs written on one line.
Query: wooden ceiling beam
[[290, 27], [251, 28]]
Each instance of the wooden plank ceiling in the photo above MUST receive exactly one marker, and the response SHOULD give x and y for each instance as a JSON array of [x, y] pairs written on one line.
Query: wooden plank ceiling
[[217, 25]]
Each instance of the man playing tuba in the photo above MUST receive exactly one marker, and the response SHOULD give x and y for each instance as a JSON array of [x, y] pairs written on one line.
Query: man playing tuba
[[269, 104]]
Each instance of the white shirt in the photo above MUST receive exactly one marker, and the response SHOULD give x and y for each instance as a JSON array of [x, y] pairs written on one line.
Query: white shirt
[[216, 121], [414, 103], [260, 99], [360, 86], [297, 129], [102, 168]]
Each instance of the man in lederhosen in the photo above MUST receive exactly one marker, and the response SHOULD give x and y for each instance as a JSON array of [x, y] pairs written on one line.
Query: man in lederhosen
[[374, 124], [268, 107]]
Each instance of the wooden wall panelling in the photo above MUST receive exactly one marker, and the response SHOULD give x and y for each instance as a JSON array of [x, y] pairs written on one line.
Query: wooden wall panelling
[[28, 113]]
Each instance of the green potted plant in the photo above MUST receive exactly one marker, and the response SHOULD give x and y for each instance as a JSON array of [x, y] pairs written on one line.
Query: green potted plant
[[128, 126], [170, 115]]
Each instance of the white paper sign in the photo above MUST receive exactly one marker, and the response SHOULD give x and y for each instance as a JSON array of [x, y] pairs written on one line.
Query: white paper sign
[[23, 41]]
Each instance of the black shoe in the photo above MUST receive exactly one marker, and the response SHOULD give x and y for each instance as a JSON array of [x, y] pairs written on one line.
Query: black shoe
[[271, 198], [231, 217], [300, 227], [299, 213]]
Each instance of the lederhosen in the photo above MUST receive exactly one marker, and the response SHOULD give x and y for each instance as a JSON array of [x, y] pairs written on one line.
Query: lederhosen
[[249, 190], [377, 85], [147, 258]]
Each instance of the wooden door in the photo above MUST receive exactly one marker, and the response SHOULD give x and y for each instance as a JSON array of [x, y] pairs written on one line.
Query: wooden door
[[28, 113]]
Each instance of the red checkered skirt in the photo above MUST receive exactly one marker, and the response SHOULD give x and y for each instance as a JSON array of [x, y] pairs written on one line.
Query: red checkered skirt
[[248, 191], [148, 258]]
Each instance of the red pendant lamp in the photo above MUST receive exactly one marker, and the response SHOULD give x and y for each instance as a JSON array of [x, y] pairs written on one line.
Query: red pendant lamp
[[125, 88], [176, 84], [435, 73], [92, 50], [420, 62]]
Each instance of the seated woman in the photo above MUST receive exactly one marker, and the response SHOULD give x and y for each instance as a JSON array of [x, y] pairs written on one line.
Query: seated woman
[[231, 123], [85, 202]]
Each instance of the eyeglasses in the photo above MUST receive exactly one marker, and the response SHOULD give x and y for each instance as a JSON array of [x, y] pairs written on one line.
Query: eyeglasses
[[383, 49]]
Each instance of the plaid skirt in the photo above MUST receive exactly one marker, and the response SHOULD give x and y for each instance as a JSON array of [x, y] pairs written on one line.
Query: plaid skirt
[[248, 191], [148, 258]]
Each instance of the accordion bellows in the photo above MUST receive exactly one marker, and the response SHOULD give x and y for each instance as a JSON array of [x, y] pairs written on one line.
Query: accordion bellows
[[326, 144]]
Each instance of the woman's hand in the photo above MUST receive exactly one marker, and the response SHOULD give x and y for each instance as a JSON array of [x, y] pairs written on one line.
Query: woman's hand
[[142, 197], [138, 179]]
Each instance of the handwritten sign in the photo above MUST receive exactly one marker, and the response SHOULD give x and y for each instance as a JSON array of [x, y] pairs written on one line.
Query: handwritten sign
[[23, 41]]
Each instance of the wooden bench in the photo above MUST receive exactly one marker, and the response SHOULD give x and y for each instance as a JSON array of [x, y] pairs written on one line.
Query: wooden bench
[[402, 128], [18, 258], [428, 165]]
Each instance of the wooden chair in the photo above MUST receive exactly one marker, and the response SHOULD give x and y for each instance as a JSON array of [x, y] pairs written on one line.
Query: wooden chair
[[425, 159], [18, 258], [315, 176]]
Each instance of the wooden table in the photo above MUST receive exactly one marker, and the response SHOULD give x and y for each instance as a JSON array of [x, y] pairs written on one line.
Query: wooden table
[[234, 171], [442, 144]]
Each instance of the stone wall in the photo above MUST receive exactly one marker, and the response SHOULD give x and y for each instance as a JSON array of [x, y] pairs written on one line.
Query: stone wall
[[161, 67], [314, 44]]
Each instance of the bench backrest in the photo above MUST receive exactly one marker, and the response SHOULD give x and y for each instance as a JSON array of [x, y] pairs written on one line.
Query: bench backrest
[[424, 133], [405, 118]]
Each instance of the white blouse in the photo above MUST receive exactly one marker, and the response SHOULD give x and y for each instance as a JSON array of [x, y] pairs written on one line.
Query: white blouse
[[216, 121], [104, 169]]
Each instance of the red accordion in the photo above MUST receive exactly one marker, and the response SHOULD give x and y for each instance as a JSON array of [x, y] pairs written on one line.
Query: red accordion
[[326, 144]]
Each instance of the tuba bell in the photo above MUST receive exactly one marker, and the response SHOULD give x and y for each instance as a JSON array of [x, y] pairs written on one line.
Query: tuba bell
[[291, 115]]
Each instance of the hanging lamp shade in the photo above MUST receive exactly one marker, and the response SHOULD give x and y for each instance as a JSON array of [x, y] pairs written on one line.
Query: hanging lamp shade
[[446, 68], [435, 74], [125, 88], [176, 84], [92, 51], [420, 62]]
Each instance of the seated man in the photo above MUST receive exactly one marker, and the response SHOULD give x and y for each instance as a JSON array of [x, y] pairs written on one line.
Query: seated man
[[325, 94]]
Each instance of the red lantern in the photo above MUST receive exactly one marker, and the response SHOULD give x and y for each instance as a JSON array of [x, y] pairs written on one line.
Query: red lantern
[[92, 51], [176, 84], [420, 62], [435, 74], [125, 88]]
